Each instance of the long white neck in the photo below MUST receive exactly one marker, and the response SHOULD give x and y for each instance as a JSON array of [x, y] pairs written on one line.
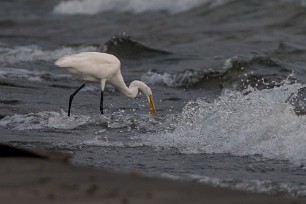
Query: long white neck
[[133, 89]]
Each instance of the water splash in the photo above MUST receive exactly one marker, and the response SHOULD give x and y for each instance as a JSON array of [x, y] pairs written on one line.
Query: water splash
[[43, 120], [103, 142], [59, 120], [241, 123]]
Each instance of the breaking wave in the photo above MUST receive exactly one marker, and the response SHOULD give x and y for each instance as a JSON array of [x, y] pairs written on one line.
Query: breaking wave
[[33, 52], [261, 72], [238, 73], [187, 78], [258, 186], [241, 123], [27, 75], [124, 46], [91, 7]]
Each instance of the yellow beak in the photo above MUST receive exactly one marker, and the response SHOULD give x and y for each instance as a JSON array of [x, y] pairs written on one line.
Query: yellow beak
[[152, 106]]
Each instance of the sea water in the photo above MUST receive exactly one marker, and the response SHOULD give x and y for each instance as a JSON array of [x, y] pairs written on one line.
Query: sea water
[[228, 79]]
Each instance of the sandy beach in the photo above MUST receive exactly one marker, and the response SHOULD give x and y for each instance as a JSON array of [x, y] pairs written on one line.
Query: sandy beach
[[42, 180]]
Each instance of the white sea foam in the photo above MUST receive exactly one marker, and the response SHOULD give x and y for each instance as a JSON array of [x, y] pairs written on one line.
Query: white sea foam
[[43, 120], [33, 52], [257, 186], [260, 122], [263, 186], [50, 120], [183, 79], [152, 78], [91, 7], [37, 76], [229, 63], [103, 142]]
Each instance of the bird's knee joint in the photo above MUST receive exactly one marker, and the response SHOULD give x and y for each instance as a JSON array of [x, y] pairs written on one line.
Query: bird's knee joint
[[71, 97]]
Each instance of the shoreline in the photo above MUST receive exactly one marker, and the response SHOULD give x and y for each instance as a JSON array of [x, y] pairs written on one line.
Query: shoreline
[[33, 180]]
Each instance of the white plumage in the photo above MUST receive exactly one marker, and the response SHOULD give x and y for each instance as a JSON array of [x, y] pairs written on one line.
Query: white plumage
[[102, 67]]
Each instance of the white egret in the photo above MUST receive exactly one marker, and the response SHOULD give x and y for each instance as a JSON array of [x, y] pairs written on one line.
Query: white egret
[[96, 66]]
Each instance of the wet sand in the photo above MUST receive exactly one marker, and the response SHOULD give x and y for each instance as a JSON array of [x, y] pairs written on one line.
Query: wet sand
[[34, 180]]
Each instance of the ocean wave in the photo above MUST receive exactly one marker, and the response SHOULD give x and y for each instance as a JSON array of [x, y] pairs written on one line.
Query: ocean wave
[[255, 186], [105, 141], [289, 48], [27, 75], [98, 127], [124, 46], [261, 72], [186, 79], [43, 120], [33, 52], [39, 77], [59, 120], [91, 7], [241, 123], [239, 72]]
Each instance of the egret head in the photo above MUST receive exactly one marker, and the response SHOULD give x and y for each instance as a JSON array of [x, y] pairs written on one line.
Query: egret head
[[147, 91]]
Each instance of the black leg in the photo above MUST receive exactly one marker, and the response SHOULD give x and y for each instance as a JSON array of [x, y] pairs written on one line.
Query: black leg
[[71, 97], [101, 103]]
